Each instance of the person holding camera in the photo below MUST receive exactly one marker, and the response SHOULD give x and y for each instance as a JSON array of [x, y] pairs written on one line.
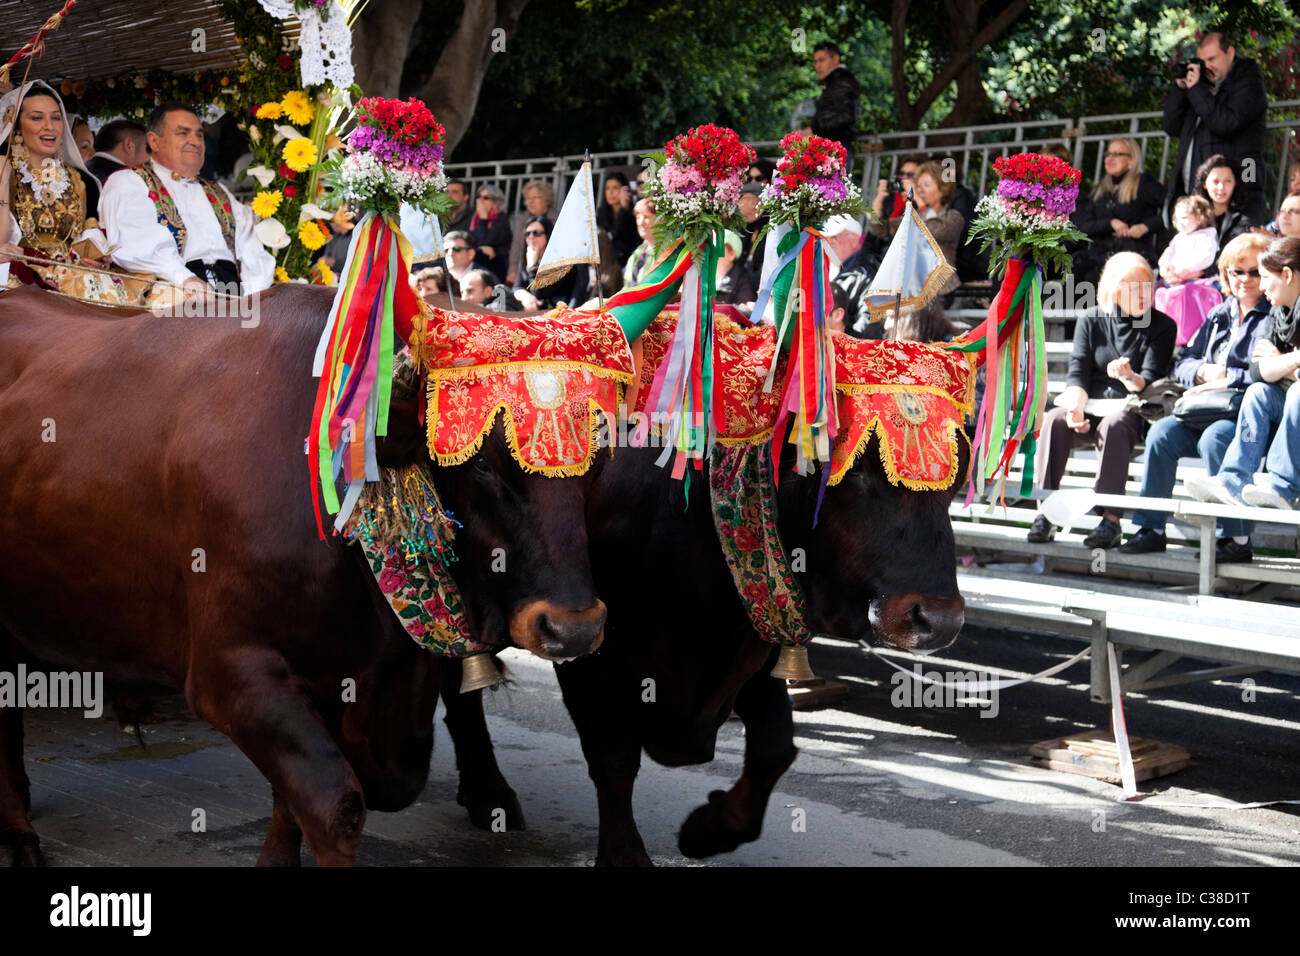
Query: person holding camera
[[1218, 105], [933, 194]]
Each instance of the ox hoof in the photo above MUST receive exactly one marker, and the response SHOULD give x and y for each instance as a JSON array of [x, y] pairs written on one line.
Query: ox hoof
[[711, 829], [21, 849], [486, 808], [627, 856]]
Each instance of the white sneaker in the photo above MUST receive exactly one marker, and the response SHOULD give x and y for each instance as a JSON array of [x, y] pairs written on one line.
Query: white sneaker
[[1262, 496], [1209, 488]]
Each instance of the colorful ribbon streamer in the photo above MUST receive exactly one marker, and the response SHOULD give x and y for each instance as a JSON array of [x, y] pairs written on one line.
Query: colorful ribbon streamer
[[354, 359], [682, 391], [1010, 344]]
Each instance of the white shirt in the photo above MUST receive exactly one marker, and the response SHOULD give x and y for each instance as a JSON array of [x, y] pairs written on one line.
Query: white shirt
[[145, 245]]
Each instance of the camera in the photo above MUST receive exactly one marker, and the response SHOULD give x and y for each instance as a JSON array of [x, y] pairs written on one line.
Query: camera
[[893, 188], [1179, 69]]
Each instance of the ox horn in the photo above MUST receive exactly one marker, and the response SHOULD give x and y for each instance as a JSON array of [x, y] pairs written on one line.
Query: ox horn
[[479, 671], [793, 663]]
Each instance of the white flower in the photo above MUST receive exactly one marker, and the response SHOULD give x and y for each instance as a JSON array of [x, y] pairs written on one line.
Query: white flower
[[271, 233], [261, 174]]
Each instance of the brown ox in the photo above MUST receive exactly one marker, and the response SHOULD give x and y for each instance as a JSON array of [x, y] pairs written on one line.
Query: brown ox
[[156, 525]]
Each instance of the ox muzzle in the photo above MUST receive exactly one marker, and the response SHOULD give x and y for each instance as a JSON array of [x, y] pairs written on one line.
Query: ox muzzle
[[558, 634], [918, 622]]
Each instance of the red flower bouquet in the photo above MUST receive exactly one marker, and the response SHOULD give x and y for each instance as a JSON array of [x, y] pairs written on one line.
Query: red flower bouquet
[[697, 183], [394, 157], [1029, 214], [809, 185]]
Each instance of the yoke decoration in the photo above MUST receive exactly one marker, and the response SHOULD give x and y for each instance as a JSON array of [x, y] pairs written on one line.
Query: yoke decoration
[[549, 375]]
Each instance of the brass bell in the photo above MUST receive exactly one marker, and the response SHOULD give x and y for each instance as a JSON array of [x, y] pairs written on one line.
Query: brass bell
[[478, 672], [793, 663]]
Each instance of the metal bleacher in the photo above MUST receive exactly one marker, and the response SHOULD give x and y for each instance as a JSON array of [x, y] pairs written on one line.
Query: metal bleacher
[[1276, 568], [1242, 617]]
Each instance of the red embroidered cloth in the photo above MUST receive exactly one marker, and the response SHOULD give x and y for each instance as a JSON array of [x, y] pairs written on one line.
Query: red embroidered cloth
[[913, 395], [549, 375]]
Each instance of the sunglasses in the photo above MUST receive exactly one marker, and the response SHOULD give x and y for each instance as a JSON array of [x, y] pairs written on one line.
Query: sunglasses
[[460, 248], [754, 178], [482, 197], [534, 232], [1243, 273]]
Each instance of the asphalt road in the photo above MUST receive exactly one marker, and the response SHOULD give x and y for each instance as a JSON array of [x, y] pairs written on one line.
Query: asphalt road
[[874, 784]]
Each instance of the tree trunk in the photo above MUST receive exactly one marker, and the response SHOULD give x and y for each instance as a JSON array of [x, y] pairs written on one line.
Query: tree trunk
[[452, 89], [962, 67], [907, 116], [380, 40]]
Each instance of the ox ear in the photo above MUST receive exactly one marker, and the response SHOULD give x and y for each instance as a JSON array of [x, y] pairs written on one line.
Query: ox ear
[[404, 442]]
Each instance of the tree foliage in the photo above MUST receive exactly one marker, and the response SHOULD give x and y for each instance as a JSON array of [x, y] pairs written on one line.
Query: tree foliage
[[613, 74], [610, 74]]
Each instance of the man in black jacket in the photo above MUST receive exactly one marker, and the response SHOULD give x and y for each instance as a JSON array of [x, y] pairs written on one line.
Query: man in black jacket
[[118, 145], [836, 115], [1218, 109]]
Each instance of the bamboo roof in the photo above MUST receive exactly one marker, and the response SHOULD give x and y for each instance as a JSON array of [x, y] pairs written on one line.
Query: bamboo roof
[[103, 38]]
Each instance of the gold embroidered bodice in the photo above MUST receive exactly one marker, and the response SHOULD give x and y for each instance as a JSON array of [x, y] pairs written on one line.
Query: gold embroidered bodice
[[50, 228]]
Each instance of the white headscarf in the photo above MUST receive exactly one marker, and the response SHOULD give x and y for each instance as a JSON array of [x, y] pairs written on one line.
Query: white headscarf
[[10, 104]]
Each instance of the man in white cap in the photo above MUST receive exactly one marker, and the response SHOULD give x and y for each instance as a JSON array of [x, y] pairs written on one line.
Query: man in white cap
[[852, 276], [844, 235]]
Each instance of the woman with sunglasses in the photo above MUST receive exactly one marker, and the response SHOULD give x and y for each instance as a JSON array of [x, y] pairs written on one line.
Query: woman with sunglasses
[[1272, 402], [1218, 356], [1123, 214], [760, 172], [568, 290]]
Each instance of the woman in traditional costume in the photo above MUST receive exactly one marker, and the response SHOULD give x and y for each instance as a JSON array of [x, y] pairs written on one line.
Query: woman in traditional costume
[[49, 200]]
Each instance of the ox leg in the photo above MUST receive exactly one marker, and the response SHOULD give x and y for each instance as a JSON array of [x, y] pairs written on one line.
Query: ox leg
[[283, 846], [735, 816], [19, 845], [483, 789], [613, 751], [253, 699]]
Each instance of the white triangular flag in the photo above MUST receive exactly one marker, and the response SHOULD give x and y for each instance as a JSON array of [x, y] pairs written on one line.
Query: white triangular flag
[[914, 269], [573, 239]]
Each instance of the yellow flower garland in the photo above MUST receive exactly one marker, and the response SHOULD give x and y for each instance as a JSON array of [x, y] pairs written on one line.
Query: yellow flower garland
[[311, 235], [266, 203], [298, 107], [299, 154]]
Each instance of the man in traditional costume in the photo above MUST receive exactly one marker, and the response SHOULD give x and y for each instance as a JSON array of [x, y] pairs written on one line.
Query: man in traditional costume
[[48, 200], [191, 232]]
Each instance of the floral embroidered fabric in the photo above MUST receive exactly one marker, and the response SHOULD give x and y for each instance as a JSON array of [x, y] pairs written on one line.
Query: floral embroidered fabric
[[550, 375], [744, 513]]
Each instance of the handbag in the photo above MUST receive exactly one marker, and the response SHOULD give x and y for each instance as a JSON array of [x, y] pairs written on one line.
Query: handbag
[[1202, 409], [1158, 399]]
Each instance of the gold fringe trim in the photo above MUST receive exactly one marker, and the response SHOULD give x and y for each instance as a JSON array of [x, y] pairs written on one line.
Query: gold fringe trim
[[557, 270], [886, 458], [477, 372], [966, 406], [574, 470], [397, 490], [933, 284]]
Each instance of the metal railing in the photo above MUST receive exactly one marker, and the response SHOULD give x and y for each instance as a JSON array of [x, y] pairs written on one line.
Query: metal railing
[[972, 147]]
